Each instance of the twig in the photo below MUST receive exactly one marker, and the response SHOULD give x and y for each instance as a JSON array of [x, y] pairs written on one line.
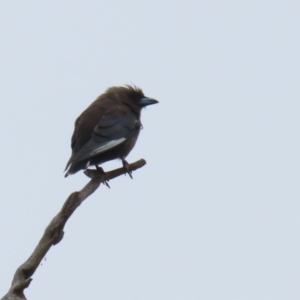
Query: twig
[[54, 232]]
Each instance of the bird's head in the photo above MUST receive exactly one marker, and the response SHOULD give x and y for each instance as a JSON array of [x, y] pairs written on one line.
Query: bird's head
[[133, 96]]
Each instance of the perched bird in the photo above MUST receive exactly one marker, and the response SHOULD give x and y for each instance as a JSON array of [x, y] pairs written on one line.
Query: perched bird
[[108, 128]]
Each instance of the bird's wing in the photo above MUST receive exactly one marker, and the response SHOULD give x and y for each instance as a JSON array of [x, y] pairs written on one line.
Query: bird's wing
[[109, 133]]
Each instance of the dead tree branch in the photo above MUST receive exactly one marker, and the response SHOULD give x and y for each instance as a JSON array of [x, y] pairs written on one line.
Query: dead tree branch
[[54, 232]]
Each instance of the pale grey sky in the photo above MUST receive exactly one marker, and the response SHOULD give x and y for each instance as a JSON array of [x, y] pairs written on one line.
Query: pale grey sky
[[214, 214]]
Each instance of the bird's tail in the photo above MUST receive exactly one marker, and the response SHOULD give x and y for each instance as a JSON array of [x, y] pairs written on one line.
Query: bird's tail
[[68, 166]]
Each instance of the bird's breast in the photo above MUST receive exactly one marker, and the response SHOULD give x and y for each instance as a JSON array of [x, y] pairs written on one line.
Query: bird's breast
[[127, 145]]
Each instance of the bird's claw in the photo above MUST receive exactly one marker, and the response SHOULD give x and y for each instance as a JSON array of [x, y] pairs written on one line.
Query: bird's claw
[[126, 167], [101, 172], [105, 182]]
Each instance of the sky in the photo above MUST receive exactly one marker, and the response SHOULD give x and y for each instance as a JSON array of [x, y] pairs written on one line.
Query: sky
[[214, 214]]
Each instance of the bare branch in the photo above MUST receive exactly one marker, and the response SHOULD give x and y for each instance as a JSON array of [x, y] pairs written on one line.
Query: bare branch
[[54, 232]]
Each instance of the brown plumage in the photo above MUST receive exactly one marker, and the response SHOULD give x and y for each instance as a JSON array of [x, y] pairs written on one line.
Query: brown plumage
[[108, 128]]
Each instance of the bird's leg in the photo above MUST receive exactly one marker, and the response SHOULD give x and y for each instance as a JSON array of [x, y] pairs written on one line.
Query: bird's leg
[[126, 167], [101, 171]]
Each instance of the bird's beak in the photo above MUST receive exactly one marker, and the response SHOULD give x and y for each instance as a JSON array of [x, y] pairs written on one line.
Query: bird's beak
[[147, 101]]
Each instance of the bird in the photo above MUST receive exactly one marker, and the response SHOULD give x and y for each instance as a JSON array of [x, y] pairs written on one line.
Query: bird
[[108, 129]]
